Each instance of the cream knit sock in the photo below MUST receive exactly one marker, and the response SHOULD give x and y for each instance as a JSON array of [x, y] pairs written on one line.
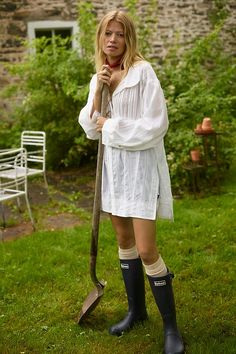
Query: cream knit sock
[[157, 269], [129, 253]]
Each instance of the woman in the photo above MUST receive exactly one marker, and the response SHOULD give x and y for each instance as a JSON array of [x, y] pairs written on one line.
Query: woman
[[135, 182]]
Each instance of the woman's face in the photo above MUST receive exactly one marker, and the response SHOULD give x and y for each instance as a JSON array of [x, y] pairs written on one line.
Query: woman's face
[[114, 40]]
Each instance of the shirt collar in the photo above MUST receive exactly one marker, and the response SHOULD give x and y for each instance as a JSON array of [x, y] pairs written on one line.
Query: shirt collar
[[131, 79]]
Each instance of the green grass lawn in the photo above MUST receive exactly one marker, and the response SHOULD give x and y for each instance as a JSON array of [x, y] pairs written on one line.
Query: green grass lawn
[[45, 279]]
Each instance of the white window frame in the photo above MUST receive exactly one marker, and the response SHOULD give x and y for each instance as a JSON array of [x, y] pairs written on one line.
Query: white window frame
[[53, 25]]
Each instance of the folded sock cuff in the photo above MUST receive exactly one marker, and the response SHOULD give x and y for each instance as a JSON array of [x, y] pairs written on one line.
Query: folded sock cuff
[[157, 269], [129, 253]]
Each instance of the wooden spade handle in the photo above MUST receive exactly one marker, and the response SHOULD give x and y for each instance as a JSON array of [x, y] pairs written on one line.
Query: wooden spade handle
[[97, 195]]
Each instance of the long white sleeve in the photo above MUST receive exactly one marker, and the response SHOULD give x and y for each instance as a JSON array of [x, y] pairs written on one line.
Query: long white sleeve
[[146, 130]]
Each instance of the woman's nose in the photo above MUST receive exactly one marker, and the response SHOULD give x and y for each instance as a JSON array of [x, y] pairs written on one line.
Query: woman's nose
[[113, 37]]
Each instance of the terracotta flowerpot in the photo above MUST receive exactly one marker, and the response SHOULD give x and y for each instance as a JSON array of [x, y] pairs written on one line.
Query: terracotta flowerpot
[[206, 124], [195, 155]]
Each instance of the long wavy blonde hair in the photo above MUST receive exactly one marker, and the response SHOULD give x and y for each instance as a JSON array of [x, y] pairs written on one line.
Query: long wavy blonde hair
[[131, 54]]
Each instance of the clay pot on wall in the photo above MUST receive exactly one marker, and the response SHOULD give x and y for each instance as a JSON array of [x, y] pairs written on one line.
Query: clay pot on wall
[[195, 155]]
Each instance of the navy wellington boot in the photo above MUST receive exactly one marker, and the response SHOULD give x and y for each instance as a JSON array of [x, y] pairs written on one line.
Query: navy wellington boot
[[164, 297], [132, 271]]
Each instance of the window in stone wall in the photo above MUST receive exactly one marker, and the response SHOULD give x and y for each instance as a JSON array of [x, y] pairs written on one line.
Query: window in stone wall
[[49, 29]]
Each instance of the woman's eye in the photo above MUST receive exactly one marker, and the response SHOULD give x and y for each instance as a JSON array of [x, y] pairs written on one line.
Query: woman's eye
[[108, 34]]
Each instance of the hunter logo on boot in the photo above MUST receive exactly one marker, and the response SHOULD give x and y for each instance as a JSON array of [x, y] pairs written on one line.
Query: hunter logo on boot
[[124, 266], [159, 282]]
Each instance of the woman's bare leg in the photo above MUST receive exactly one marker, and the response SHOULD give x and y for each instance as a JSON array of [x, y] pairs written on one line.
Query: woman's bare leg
[[124, 231], [145, 237]]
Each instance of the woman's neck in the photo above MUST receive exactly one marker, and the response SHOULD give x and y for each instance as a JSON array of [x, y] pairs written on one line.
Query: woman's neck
[[114, 63]]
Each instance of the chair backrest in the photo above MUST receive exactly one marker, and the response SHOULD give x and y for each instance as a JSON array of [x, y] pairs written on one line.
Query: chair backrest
[[35, 144], [13, 179], [13, 173]]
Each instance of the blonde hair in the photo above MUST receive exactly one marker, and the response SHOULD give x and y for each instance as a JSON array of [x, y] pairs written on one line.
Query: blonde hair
[[131, 54]]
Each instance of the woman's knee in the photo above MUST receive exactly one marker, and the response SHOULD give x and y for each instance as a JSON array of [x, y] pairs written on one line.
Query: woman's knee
[[145, 235], [149, 255], [125, 240]]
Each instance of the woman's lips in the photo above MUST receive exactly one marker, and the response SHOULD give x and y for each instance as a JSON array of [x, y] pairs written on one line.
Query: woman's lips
[[111, 47]]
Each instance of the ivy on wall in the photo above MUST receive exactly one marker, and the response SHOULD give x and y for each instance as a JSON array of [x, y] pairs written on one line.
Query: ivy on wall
[[219, 11], [146, 21]]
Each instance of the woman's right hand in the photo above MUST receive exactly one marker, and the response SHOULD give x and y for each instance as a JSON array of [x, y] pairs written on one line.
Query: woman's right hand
[[103, 77]]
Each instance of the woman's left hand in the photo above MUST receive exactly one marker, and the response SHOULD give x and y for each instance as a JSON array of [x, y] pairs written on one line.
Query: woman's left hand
[[100, 123]]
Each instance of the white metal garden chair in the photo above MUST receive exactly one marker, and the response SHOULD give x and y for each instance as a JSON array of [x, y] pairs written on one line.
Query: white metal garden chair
[[13, 163], [35, 144]]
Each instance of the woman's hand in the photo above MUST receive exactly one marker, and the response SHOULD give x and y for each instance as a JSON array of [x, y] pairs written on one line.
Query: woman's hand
[[104, 77], [100, 123]]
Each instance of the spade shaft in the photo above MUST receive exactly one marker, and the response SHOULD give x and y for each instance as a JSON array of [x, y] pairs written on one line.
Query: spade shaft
[[94, 296]]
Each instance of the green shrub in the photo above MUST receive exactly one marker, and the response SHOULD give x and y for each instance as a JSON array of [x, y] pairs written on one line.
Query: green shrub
[[52, 88], [199, 83], [54, 84]]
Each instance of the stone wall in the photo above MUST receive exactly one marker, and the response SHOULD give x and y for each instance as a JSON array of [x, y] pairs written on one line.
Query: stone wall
[[188, 18], [14, 16]]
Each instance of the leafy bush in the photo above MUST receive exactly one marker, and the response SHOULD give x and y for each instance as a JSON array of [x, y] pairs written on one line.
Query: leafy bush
[[199, 83], [53, 83]]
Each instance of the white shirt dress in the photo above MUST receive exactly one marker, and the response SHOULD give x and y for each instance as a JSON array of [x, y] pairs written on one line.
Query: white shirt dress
[[135, 176]]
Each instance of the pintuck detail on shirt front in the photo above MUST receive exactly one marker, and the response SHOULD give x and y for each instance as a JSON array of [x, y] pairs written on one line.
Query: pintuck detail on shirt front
[[135, 179]]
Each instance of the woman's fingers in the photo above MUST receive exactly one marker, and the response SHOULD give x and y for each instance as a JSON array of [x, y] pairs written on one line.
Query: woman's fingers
[[104, 79], [106, 69], [104, 76], [100, 122]]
